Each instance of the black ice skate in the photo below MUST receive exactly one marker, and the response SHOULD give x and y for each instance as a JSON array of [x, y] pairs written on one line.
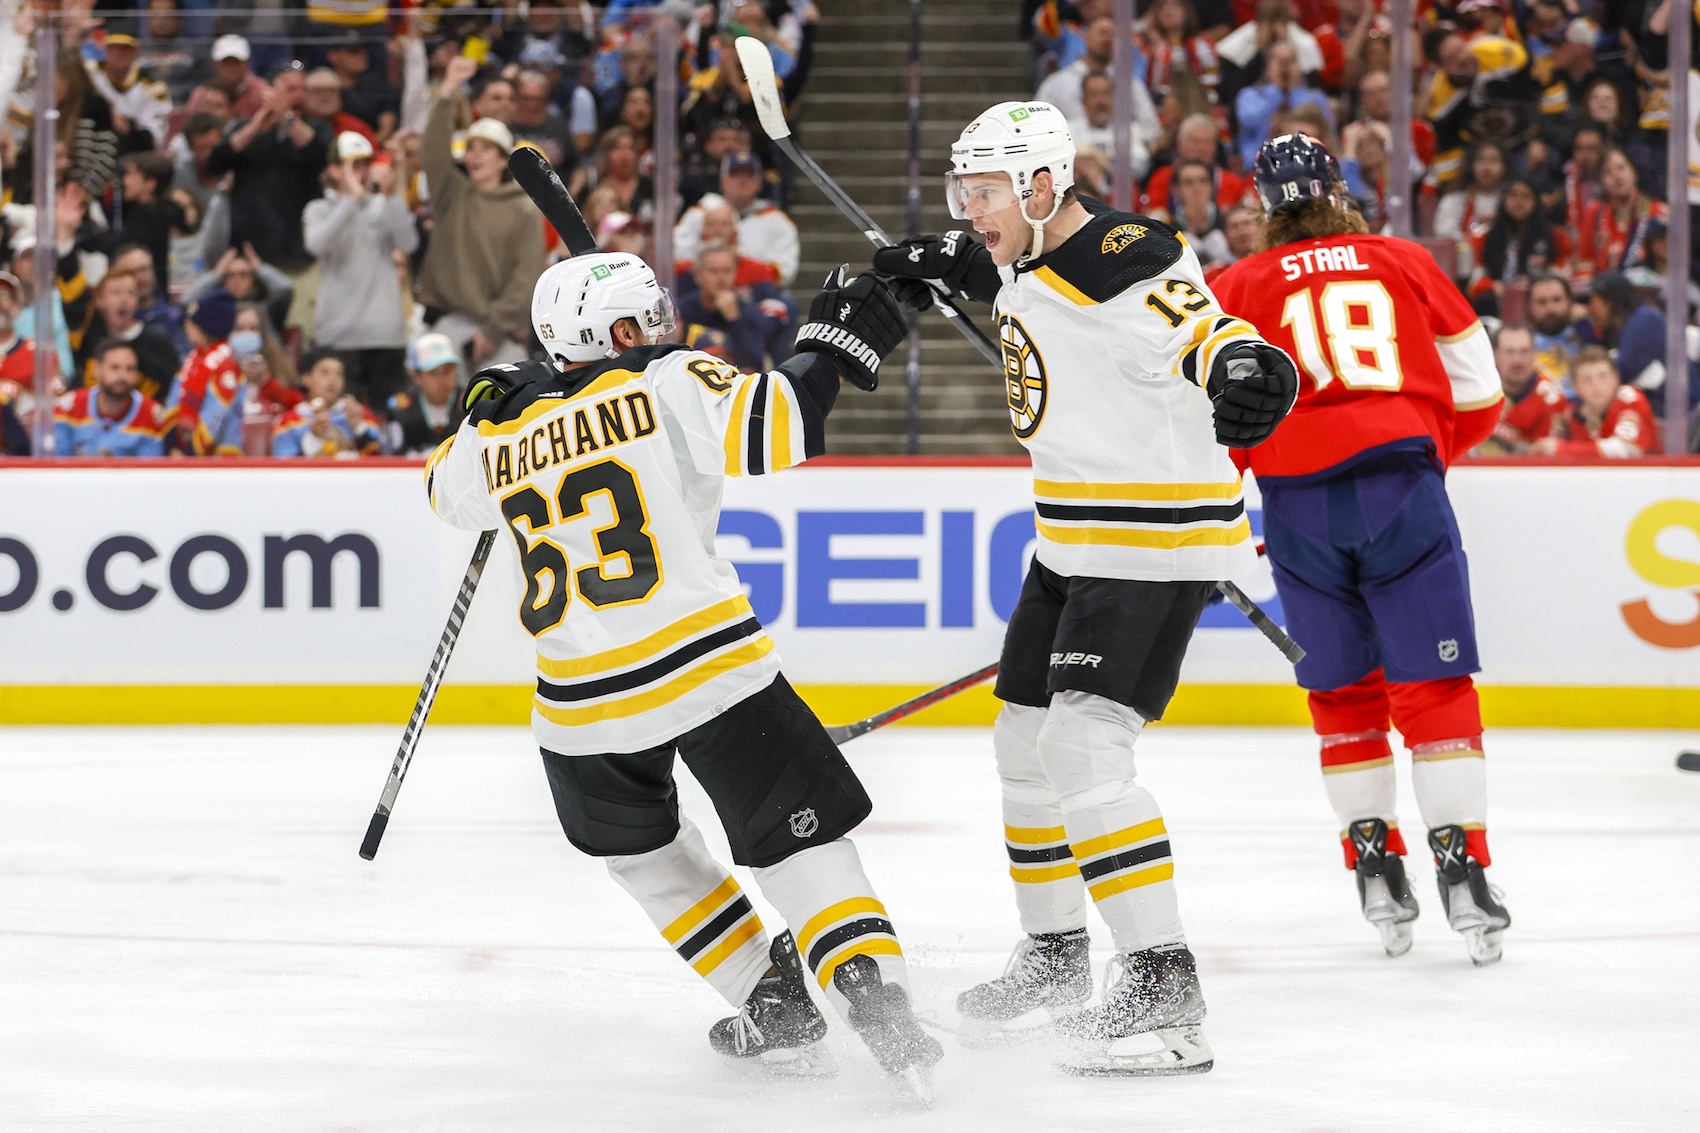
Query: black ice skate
[[778, 1030], [880, 1013], [1148, 1022], [1472, 905], [1048, 973], [1386, 897]]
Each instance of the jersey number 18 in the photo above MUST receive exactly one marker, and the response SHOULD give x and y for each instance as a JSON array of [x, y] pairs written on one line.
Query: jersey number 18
[[1357, 318]]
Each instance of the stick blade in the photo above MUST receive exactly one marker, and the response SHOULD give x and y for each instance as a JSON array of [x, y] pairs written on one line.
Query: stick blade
[[764, 87], [374, 833], [1689, 761], [540, 182]]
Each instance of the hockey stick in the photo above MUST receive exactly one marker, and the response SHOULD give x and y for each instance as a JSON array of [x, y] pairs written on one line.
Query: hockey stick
[[427, 696], [537, 177], [844, 733], [1689, 761], [764, 92]]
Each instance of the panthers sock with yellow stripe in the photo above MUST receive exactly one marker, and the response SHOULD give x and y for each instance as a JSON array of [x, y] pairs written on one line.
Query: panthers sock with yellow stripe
[[702, 913], [826, 898]]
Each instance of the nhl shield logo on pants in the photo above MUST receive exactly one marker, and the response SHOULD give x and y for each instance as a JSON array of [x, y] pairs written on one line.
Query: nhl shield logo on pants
[[804, 822], [1449, 649]]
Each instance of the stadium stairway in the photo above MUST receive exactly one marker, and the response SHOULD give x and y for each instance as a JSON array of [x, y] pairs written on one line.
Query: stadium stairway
[[854, 120]]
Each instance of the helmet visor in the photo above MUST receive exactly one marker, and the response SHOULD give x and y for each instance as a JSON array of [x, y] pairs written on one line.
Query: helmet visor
[[978, 194], [661, 317]]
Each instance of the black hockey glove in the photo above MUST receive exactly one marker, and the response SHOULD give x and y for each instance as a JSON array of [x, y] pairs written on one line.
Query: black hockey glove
[[856, 323], [964, 265], [1253, 385], [496, 381]]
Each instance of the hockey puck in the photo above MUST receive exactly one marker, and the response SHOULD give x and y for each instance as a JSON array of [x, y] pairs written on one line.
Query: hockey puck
[[1689, 761]]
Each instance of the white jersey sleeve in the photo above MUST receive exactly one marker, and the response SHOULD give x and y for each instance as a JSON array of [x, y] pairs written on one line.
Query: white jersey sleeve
[[454, 480], [732, 423]]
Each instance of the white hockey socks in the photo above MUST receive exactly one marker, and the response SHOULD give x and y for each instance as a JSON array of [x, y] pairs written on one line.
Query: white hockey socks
[[826, 898], [1115, 830], [701, 911], [1358, 773], [1049, 895], [1450, 780]]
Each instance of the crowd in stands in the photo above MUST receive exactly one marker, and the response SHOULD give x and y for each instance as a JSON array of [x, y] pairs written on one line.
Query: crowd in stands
[[1538, 171], [289, 229]]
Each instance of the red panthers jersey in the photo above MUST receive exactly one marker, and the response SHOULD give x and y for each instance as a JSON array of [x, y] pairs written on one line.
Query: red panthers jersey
[[1527, 419], [1388, 350], [1627, 430]]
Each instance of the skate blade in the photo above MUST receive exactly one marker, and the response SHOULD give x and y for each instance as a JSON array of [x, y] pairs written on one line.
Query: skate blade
[[1165, 1051], [810, 1061], [1484, 944], [917, 1084], [1396, 936], [986, 1034]]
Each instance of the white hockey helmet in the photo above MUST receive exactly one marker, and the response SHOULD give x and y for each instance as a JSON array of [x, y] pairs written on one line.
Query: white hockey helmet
[[1017, 138], [577, 302]]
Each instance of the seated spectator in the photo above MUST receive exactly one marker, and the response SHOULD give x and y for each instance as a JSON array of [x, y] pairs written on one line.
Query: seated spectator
[[1613, 232], [322, 105], [1170, 41], [1603, 108], [1581, 186], [764, 231], [277, 157], [1466, 214], [17, 368], [1533, 404], [141, 107], [622, 232], [720, 226], [216, 100], [1195, 140], [1520, 243], [716, 94], [484, 256], [700, 172], [149, 213], [23, 319], [535, 120], [328, 422], [356, 230], [1610, 419], [265, 363], [637, 114], [113, 318], [208, 396], [249, 279], [494, 98], [1282, 89], [1063, 88], [1095, 128], [230, 58], [1556, 340], [757, 330], [1241, 226], [152, 307], [1640, 348], [14, 438], [617, 169], [1245, 52], [110, 416], [1375, 104], [1196, 214], [1365, 153], [429, 411], [166, 55]]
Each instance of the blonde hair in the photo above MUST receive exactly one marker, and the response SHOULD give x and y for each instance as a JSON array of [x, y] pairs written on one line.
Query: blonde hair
[[1311, 220]]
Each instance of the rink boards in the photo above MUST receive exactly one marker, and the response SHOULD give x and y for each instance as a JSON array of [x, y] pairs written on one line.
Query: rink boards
[[154, 592]]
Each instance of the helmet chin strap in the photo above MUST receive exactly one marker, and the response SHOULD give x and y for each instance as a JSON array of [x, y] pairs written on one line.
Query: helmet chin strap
[[1038, 227]]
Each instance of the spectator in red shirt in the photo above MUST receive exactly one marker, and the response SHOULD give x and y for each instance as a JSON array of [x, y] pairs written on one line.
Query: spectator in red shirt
[[1195, 140], [1532, 403], [1581, 176], [1613, 232], [17, 368], [1612, 419]]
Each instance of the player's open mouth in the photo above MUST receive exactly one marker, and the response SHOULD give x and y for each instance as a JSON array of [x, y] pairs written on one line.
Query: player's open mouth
[[992, 235]]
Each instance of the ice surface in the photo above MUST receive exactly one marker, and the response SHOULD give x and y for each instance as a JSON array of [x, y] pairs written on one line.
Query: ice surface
[[188, 942]]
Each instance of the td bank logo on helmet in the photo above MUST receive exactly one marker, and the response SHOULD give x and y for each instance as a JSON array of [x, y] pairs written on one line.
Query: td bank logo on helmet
[[1020, 114], [600, 272]]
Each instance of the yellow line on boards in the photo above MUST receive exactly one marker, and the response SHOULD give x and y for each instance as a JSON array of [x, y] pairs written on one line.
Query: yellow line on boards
[[1216, 705]]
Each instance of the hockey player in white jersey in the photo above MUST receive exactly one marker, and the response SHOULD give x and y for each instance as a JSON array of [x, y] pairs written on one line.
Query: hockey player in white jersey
[[1125, 381], [606, 468]]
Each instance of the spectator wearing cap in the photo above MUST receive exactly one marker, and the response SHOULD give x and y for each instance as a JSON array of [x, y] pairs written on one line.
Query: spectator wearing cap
[[322, 105], [758, 331], [110, 416], [485, 252], [357, 229], [141, 108], [230, 57], [208, 396], [535, 120], [329, 422], [17, 368], [427, 413], [113, 316], [765, 233], [365, 92], [276, 157]]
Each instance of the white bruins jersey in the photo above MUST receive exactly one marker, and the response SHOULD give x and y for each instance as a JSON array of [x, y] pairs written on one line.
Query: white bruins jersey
[[609, 484], [1107, 344]]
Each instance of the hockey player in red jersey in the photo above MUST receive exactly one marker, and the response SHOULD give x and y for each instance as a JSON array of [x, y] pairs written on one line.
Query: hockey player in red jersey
[[1612, 420], [1396, 380]]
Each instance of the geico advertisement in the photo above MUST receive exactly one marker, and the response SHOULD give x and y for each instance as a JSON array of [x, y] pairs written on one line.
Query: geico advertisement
[[865, 574]]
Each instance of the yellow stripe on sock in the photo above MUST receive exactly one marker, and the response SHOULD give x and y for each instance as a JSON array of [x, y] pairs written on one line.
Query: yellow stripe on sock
[[1149, 876], [697, 913], [1034, 835], [1092, 847], [1436, 757], [831, 915], [735, 940], [1362, 765], [863, 946], [1037, 875]]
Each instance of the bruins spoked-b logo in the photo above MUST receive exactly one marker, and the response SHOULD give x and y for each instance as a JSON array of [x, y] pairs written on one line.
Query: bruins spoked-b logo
[[1024, 371]]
